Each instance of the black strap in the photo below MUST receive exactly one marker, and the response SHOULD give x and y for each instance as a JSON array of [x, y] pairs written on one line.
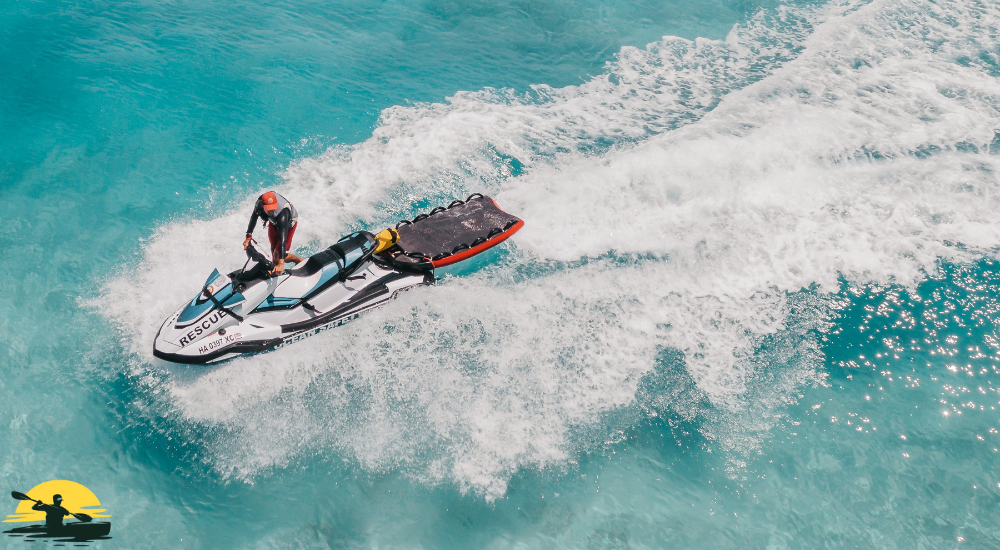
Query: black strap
[[219, 305]]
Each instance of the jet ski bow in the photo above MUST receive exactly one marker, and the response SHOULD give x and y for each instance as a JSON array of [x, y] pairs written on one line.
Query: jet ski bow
[[251, 311]]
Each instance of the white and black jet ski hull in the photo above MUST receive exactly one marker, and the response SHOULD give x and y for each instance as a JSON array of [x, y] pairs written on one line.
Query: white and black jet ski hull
[[218, 335]]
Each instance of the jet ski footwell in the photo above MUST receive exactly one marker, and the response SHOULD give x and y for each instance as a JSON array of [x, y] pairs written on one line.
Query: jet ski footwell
[[249, 311]]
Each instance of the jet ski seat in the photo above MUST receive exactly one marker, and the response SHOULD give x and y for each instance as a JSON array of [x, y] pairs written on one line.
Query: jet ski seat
[[348, 253], [315, 263]]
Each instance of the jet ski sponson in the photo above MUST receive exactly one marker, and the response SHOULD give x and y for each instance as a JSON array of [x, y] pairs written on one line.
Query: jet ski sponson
[[251, 311]]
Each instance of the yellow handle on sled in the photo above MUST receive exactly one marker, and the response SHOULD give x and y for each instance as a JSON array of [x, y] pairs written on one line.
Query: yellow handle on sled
[[386, 239]]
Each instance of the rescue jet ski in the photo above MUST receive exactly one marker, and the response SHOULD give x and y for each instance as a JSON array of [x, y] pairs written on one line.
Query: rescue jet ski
[[249, 310]]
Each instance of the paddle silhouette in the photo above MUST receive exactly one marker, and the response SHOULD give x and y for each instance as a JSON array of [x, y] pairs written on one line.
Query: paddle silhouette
[[22, 496]]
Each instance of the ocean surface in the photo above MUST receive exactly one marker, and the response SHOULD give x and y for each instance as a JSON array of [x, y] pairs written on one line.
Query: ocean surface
[[755, 303]]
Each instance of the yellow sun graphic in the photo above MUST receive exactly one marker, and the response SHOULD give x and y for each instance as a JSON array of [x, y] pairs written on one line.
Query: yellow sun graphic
[[76, 498]]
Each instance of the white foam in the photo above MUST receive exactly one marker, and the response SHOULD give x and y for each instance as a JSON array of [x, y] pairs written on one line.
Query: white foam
[[862, 155]]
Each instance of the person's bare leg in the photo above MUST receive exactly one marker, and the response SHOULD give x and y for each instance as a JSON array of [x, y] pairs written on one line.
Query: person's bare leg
[[293, 258]]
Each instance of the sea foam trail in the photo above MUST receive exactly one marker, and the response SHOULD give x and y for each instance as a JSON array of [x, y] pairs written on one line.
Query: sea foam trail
[[701, 197], [434, 152]]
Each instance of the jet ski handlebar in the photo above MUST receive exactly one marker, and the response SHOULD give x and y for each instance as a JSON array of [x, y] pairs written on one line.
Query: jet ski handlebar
[[261, 269], [256, 255]]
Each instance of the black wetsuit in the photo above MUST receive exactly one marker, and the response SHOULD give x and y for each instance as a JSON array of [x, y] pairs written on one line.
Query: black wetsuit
[[283, 219], [53, 514]]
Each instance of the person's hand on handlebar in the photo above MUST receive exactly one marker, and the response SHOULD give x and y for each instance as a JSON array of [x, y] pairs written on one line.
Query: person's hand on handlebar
[[246, 243], [278, 267]]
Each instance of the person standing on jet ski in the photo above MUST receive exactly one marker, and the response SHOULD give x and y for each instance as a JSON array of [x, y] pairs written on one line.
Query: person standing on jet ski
[[282, 218]]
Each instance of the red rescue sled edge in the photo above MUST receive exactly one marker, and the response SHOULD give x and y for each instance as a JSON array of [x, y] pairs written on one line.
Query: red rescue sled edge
[[465, 254]]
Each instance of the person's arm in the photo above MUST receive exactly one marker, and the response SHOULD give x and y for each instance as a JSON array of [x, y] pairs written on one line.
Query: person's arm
[[284, 224], [39, 505], [253, 219], [251, 227]]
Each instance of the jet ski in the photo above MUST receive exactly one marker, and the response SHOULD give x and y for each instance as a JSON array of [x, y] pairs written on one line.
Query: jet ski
[[249, 310]]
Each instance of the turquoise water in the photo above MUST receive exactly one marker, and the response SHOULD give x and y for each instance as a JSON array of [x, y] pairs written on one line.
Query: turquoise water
[[753, 305]]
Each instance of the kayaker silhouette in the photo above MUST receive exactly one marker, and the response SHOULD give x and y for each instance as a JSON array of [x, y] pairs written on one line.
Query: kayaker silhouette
[[84, 530], [54, 513]]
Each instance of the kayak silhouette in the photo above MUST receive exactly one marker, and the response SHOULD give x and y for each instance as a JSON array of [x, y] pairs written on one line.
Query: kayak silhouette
[[85, 530]]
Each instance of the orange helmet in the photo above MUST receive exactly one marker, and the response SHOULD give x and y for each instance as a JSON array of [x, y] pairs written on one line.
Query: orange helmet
[[270, 201]]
